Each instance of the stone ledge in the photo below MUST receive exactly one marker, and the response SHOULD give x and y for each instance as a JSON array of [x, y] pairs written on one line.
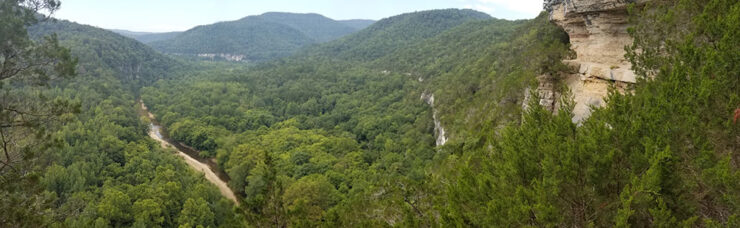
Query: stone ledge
[[620, 73]]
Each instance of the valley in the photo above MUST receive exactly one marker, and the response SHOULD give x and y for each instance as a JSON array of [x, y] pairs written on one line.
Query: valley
[[592, 113]]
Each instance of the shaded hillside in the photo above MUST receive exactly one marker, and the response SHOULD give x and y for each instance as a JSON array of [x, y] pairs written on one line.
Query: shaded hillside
[[131, 61], [255, 38], [479, 70], [319, 28], [390, 34]]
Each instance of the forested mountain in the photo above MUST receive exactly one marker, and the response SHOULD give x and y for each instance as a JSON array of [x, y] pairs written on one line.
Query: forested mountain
[[390, 34], [319, 28], [347, 133], [147, 37], [256, 38], [131, 62]]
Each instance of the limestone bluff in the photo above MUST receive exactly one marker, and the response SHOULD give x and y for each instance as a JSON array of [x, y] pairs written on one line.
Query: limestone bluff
[[598, 36]]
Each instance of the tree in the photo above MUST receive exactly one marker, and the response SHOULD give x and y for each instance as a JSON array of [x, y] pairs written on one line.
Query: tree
[[307, 199], [25, 115], [196, 213], [148, 213], [115, 206]]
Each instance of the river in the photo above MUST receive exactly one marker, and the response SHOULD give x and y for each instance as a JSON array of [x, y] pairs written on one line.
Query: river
[[190, 156]]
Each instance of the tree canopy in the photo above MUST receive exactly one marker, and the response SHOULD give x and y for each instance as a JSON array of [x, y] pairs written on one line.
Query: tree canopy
[[339, 135]]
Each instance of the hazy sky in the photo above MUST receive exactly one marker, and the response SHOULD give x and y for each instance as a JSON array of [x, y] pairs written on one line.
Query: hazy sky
[[179, 15]]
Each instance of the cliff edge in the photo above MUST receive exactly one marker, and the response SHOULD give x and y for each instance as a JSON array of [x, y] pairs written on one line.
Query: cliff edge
[[598, 35]]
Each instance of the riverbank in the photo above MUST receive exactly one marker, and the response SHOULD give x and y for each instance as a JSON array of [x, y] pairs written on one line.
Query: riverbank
[[190, 156]]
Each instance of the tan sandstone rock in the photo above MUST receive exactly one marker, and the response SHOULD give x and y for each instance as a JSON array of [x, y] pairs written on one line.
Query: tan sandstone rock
[[598, 35]]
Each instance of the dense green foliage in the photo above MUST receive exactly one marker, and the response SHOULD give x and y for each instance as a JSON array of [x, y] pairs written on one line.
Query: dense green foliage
[[99, 168], [339, 114], [103, 51], [663, 156], [478, 71], [353, 136], [109, 173], [319, 28], [258, 38], [387, 35], [337, 135], [26, 114]]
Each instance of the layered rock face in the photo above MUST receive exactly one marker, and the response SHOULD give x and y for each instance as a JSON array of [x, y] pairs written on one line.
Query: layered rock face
[[598, 35]]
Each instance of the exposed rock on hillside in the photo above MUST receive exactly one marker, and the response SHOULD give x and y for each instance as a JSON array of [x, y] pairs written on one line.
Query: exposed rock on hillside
[[547, 91], [439, 130], [598, 35]]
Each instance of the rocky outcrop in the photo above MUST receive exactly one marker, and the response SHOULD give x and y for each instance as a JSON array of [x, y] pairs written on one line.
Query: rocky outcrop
[[223, 56], [547, 92], [598, 35], [439, 131]]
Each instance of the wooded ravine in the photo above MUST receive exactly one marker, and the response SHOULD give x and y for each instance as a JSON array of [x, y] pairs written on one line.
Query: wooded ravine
[[596, 113]]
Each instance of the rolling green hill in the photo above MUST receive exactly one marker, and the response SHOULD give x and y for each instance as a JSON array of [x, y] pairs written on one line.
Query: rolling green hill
[[131, 61], [390, 34], [256, 38], [318, 28]]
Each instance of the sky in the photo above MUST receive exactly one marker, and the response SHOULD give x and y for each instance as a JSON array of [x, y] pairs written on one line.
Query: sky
[[180, 15]]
